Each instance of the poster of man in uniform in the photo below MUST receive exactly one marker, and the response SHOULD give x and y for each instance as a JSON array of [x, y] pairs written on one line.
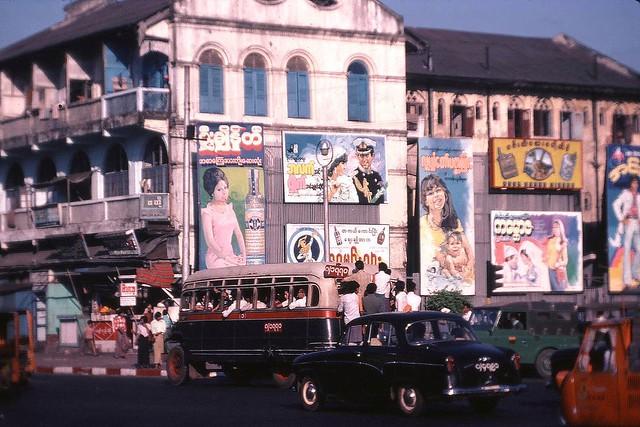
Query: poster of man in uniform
[[348, 243], [357, 173], [445, 193], [538, 251], [623, 216], [230, 196]]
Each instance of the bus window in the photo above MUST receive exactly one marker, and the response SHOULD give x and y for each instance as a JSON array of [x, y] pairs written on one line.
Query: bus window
[[300, 297], [200, 300], [185, 301], [282, 279], [314, 297], [249, 281], [264, 298], [264, 280], [246, 299], [213, 299], [282, 297]]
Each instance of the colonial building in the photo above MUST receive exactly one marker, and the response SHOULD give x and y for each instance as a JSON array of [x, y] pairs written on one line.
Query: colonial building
[[93, 118], [493, 90]]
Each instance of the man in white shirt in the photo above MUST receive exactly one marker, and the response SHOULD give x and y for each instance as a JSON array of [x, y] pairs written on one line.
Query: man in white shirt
[[301, 300], [158, 329], [401, 296], [349, 302], [383, 286], [627, 210], [466, 311], [413, 300]]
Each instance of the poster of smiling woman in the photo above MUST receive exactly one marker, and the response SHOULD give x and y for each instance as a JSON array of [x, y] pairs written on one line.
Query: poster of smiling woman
[[445, 176]]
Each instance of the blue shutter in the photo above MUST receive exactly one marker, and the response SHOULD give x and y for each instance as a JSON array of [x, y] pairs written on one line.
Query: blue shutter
[[205, 98], [352, 97], [363, 98], [304, 110], [261, 92], [217, 90], [249, 95], [292, 93], [116, 67]]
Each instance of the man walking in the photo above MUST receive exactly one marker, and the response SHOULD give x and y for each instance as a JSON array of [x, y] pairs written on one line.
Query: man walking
[[122, 342]]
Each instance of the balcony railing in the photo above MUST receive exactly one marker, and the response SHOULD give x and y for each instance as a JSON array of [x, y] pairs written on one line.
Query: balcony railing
[[90, 216], [60, 121]]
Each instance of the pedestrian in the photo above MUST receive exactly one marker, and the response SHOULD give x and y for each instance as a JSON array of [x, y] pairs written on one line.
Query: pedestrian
[[401, 296], [383, 286], [168, 323], [90, 338], [371, 302], [361, 276], [349, 301], [120, 328], [144, 342], [413, 300], [158, 330], [148, 313], [466, 311]]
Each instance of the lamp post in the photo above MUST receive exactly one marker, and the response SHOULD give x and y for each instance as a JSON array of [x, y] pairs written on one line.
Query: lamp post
[[324, 156]]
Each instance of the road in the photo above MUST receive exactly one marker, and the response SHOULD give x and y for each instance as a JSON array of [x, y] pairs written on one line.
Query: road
[[59, 400]]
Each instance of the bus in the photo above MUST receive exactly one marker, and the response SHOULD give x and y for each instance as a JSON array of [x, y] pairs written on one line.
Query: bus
[[257, 318]]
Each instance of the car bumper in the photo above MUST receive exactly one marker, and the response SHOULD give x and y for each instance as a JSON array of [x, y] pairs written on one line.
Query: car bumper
[[484, 390]]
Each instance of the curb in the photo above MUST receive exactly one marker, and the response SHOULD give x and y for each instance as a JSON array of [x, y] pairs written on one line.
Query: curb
[[122, 372]]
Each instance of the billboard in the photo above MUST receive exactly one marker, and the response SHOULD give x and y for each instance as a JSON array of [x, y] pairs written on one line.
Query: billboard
[[445, 194], [539, 164], [347, 243], [230, 196], [356, 174], [623, 223], [538, 251]]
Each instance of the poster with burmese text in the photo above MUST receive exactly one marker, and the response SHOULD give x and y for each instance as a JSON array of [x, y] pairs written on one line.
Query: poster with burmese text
[[446, 221]]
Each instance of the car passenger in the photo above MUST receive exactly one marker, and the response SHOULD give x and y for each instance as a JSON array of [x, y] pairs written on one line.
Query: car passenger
[[416, 333], [301, 300]]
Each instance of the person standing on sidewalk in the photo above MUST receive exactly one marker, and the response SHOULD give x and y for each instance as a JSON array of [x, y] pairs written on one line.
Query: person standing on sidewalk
[[90, 339], [144, 343], [383, 285], [158, 329], [122, 342]]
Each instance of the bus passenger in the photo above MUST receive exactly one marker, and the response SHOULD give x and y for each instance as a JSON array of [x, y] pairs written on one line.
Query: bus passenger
[[301, 300], [262, 303], [245, 303], [282, 300]]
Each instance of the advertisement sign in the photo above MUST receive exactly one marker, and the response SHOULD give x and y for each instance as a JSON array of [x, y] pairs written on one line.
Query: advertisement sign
[[623, 223], [347, 243], [128, 293], [154, 206], [356, 174], [539, 164], [445, 193], [104, 330], [230, 195], [538, 251]]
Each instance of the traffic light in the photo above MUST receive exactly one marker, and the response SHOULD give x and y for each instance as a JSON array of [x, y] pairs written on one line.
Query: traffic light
[[495, 277]]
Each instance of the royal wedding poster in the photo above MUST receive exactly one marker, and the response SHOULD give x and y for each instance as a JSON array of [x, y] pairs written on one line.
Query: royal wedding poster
[[445, 198]]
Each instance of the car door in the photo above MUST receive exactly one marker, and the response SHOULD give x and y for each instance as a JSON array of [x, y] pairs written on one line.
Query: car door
[[512, 332], [343, 373], [380, 349]]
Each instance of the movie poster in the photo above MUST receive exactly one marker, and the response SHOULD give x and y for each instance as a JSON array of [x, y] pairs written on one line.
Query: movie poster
[[623, 228], [538, 251], [356, 173], [230, 196], [445, 195], [347, 243]]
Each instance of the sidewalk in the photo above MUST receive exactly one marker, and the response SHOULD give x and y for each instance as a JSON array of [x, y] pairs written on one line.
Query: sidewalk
[[74, 362]]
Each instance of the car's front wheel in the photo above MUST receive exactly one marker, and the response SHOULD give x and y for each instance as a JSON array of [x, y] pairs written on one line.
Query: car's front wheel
[[177, 366], [484, 405], [311, 395], [410, 400]]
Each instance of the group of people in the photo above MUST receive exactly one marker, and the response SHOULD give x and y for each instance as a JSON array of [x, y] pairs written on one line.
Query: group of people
[[378, 294]]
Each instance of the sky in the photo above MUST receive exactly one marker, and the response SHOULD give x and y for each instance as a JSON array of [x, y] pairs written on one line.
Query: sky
[[611, 27]]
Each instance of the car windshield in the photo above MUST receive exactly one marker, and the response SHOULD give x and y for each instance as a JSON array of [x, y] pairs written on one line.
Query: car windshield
[[483, 319], [428, 331]]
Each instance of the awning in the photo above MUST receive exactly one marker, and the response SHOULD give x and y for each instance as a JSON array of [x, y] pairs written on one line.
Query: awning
[[159, 274], [74, 178]]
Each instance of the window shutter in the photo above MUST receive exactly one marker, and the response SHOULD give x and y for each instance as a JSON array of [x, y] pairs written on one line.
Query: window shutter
[[304, 110], [358, 97], [249, 93], [116, 71], [292, 93], [352, 97], [526, 123], [217, 89], [577, 125], [261, 92], [205, 97], [364, 97], [468, 122], [511, 124]]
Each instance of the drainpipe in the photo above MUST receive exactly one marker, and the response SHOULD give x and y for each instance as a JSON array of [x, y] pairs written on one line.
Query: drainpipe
[[596, 163], [488, 115], [430, 111], [186, 162]]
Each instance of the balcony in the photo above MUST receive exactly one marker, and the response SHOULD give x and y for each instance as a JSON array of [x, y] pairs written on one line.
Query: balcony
[[126, 108], [87, 217]]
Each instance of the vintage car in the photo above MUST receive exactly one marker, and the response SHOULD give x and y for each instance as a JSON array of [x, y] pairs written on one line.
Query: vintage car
[[412, 357], [603, 388], [535, 330]]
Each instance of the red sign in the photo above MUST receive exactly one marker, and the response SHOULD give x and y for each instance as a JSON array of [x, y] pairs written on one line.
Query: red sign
[[336, 271], [104, 331]]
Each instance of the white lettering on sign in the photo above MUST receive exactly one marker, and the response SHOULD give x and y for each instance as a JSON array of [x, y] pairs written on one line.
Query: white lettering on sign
[[273, 328], [515, 228], [128, 289], [336, 271], [229, 138], [484, 367]]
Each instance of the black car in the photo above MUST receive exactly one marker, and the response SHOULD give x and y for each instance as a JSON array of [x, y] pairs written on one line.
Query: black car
[[411, 357]]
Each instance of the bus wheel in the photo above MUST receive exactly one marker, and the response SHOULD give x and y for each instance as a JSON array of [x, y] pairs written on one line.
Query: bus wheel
[[283, 380], [543, 363], [177, 367]]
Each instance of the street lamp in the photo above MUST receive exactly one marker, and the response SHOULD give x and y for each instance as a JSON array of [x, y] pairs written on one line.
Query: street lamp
[[324, 156]]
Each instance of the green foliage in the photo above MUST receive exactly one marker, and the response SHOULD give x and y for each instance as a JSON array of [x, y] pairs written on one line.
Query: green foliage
[[451, 299]]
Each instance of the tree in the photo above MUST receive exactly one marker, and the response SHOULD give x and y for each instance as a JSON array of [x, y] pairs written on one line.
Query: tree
[[451, 299]]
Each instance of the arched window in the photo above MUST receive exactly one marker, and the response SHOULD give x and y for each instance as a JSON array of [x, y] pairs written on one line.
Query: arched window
[[255, 86], [440, 111], [46, 171], [80, 177], [155, 169], [495, 110], [358, 92], [46, 191], [542, 118], [211, 83], [298, 88], [14, 187], [155, 70], [116, 172], [478, 110]]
